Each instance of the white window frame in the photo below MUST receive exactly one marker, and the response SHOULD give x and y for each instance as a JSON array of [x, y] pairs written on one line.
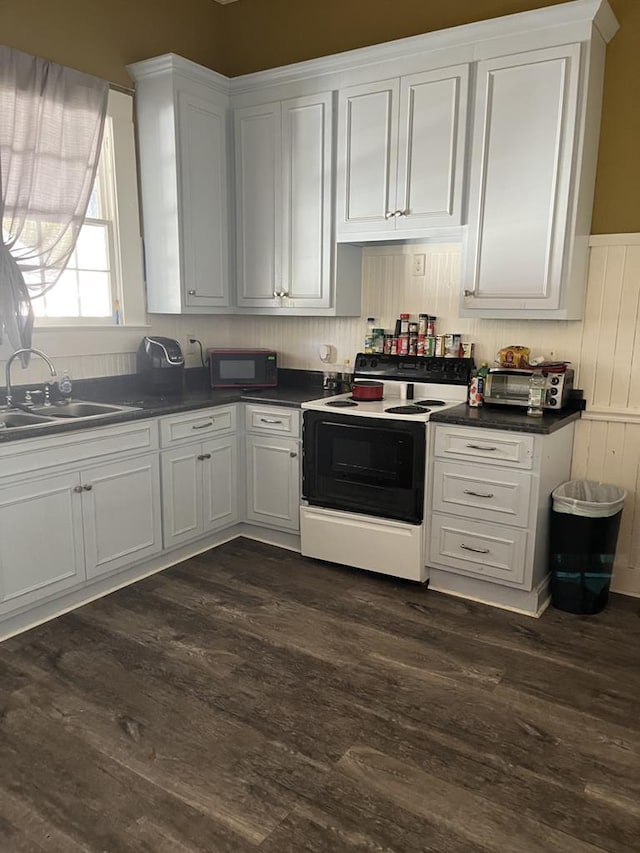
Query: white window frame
[[125, 245]]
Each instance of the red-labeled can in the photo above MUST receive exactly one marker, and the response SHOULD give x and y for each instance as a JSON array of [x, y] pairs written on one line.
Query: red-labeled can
[[476, 392]]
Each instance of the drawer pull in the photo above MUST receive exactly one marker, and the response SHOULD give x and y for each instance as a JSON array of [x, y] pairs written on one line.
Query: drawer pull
[[476, 550], [480, 447], [477, 494], [270, 421], [203, 456], [204, 426]]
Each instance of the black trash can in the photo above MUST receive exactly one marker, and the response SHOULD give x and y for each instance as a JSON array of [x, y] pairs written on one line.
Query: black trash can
[[585, 520]]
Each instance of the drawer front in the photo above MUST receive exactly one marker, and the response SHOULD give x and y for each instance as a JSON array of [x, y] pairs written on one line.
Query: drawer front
[[485, 550], [486, 445], [77, 447], [492, 494], [197, 425], [275, 420]]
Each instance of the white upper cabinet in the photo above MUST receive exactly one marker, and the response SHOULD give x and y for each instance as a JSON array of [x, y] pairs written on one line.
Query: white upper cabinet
[[401, 154], [181, 112], [525, 129], [284, 166]]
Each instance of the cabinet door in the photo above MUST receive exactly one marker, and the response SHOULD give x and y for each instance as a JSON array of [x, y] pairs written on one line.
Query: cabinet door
[[41, 549], [202, 143], [121, 514], [273, 481], [220, 483], [306, 189], [431, 149], [258, 198], [367, 157], [182, 495], [521, 174]]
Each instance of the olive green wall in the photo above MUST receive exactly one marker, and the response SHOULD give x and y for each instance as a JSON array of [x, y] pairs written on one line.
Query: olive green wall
[[102, 37]]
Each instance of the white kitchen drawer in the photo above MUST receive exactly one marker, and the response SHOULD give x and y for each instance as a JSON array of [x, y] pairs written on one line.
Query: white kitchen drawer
[[197, 425], [485, 493], [77, 446], [487, 445], [273, 420], [484, 550]]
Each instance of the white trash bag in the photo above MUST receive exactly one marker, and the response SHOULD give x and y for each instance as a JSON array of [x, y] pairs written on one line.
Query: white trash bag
[[588, 498]]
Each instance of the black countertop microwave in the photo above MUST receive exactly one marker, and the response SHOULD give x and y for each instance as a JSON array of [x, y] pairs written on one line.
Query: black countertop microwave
[[242, 368]]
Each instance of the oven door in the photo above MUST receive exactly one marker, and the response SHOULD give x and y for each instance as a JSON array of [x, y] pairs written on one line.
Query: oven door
[[369, 465]]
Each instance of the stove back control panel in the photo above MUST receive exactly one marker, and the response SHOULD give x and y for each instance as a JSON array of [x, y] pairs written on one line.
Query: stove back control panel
[[412, 368]]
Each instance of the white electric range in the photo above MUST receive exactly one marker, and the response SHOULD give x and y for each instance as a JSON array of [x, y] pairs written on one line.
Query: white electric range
[[365, 464]]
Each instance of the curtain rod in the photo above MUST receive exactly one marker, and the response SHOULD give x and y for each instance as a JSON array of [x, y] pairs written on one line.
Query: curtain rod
[[126, 90]]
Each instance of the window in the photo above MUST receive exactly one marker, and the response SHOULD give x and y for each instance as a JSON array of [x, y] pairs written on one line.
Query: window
[[102, 283]]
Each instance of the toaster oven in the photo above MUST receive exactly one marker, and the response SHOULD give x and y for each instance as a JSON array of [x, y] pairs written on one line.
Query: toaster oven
[[510, 387]]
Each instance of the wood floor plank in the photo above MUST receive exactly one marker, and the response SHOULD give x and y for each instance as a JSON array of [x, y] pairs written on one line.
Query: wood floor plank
[[251, 699]]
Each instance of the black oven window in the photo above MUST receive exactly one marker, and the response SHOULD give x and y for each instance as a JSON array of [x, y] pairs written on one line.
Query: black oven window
[[368, 456]]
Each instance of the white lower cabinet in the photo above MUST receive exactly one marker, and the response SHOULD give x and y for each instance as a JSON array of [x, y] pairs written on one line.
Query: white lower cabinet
[[199, 489], [199, 478], [121, 514], [62, 530], [490, 499], [41, 539], [273, 467]]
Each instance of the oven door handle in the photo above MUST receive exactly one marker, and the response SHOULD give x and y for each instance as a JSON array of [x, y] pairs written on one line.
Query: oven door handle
[[475, 550]]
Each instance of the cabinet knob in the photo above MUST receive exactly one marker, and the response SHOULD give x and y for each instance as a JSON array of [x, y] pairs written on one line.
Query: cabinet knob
[[202, 456], [87, 488], [191, 292], [389, 214], [77, 489], [293, 454], [469, 293]]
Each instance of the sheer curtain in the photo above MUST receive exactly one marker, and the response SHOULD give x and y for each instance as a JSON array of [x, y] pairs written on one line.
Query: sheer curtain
[[51, 126]]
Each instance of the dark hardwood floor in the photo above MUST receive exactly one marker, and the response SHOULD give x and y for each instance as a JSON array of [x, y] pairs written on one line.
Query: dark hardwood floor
[[252, 700]]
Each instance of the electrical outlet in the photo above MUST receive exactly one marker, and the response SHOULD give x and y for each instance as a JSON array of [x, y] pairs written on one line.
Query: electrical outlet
[[418, 264], [191, 347]]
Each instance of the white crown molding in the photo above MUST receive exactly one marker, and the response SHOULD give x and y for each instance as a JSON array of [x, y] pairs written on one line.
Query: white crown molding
[[159, 65], [583, 15]]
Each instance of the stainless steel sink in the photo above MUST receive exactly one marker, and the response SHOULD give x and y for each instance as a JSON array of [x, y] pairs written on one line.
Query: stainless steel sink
[[79, 409], [15, 420]]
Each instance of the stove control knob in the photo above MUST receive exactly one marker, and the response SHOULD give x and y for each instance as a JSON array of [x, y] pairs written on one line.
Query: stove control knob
[[555, 380], [553, 401], [553, 391]]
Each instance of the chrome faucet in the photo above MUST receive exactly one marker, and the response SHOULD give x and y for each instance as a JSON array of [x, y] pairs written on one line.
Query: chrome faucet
[[13, 357]]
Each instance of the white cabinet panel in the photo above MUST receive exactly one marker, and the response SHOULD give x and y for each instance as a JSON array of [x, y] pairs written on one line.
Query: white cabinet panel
[[492, 551], [181, 118], [258, 140], [306, 191], [203, 186], [522, 181], [41, 550], [286, 261], [401, 155], [492, 494], [121, 513], [273, 481], [368, 156], [431, 150], [220, 483], [181, 495], [199, 489]]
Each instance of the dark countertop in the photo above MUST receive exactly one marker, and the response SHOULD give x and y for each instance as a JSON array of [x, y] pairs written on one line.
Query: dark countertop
[[126, 392], [505, 417]]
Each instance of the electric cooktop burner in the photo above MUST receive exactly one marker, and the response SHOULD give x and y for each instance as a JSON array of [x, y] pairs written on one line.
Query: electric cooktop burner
[[342, 404], [407, 410], [430, 403]]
